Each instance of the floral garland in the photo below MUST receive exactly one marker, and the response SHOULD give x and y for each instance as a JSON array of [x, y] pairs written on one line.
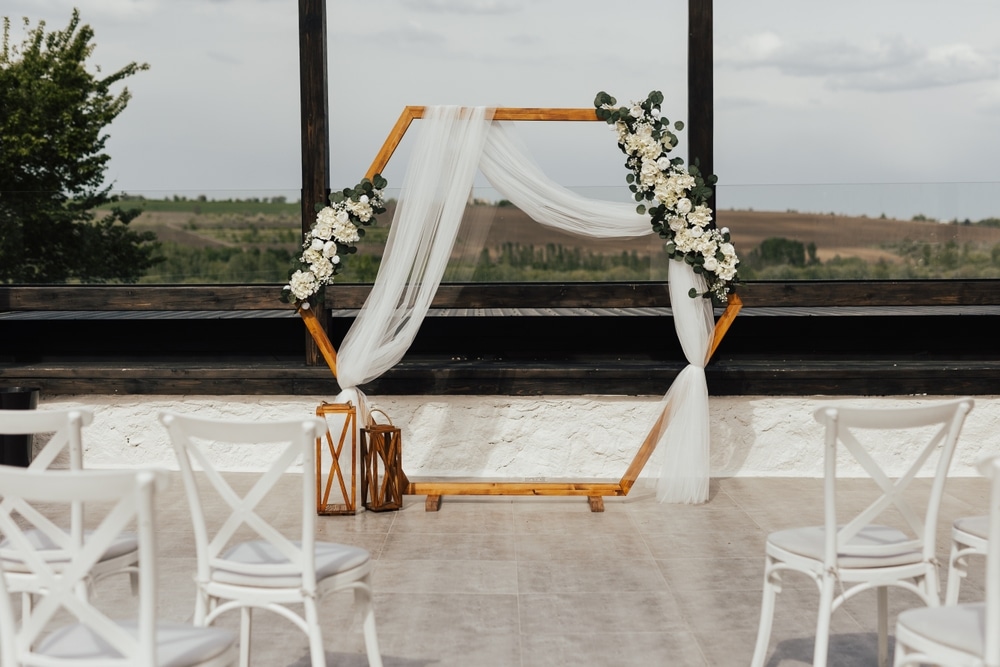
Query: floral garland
[[678, 211], [337, 229]]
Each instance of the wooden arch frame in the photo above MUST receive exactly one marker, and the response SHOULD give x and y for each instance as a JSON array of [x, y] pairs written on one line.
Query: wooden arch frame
[[434, 490]]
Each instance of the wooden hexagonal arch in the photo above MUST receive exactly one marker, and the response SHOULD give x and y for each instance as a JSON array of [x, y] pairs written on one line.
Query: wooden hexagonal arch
[[595, 491]]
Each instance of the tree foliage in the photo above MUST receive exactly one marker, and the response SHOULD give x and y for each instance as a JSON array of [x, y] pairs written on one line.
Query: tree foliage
[[53, 115]]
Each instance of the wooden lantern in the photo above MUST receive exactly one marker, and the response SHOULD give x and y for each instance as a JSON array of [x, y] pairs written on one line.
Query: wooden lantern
[[382, 458], [342, 456]]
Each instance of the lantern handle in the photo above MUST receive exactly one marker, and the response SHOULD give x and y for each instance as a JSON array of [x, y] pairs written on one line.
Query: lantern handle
[[371, 418]]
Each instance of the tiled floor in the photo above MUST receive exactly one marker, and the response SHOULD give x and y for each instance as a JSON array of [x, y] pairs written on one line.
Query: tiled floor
[[543, 581]]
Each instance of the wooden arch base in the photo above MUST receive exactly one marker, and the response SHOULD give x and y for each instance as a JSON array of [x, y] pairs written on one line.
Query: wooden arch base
[[435, 490], [595, 492]]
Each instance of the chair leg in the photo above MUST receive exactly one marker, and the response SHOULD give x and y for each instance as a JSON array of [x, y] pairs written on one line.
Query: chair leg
[[956, 572], [904, 656], [363, 598], [202, 606], [317, 655], [822, 645], [772, 586], [246, 623], [882, 594]]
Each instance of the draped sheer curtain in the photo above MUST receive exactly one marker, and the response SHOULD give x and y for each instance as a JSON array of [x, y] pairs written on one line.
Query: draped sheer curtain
[[453, 143]]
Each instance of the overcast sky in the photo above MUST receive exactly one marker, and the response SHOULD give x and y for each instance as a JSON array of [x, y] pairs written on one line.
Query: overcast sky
[[812, 96]]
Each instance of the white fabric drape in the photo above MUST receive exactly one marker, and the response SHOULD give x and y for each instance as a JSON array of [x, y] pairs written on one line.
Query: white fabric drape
[[453, 143], [436, 187], [507, 165], [684, 475]]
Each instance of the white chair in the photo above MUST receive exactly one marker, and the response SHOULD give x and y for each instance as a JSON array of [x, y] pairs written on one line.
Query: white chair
[[965, 635], [850, 553], [969, 536], [64, 448], [273, 571], [65, 628]]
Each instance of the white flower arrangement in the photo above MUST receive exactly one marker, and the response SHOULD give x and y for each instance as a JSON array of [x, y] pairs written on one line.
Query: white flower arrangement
[[337, 229], [676, 195]]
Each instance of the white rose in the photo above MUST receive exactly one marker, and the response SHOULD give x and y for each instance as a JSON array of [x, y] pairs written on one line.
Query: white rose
[[728, 250], [343, 216], [329, 249], [636, 111], [317, 244], [654, 112], [363, 199], [683, 206], [711, 264]]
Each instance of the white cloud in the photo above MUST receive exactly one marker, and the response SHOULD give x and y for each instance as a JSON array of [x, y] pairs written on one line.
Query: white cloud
[[465, 6], [880, 65], [940, 66]]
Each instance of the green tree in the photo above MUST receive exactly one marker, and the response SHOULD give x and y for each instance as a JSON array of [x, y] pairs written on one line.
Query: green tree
[[53, 112]]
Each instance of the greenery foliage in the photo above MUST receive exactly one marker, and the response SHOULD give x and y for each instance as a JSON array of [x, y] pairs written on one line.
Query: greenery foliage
[[53, 113]]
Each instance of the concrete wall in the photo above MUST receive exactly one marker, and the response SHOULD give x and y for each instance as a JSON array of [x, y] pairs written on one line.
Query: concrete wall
[[583, 437]]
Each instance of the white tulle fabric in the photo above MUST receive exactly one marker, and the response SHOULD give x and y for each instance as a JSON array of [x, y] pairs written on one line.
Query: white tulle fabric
[[453, 143], [684, 475]]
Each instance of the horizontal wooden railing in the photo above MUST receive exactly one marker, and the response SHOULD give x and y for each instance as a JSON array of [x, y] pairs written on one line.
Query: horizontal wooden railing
[[502, 295]]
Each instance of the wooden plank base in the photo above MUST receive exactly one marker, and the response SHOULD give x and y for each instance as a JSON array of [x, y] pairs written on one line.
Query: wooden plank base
[[432, 503], [596, 503]]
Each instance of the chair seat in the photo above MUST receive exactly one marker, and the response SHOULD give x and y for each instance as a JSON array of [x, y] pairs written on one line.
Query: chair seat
[[975, 526], [809, 542], [331, 559], [959, 627], [125, 543], [177, 645]]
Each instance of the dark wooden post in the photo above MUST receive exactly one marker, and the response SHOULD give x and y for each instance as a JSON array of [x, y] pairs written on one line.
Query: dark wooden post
[[701, 122], [315, 128]]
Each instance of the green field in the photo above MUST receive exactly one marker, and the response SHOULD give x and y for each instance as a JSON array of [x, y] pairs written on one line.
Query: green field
[[257, 241]]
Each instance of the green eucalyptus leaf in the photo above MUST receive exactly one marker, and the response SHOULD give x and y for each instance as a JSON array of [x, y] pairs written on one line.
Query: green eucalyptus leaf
[[693, 293], [679, 125], [640, 209]]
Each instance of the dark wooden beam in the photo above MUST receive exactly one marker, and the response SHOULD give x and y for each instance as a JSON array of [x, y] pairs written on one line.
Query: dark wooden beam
[[767, 294], [701, 105], [314, 110]]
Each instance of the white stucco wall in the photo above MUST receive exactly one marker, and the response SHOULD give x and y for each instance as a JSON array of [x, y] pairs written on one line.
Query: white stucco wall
[[582, 437]]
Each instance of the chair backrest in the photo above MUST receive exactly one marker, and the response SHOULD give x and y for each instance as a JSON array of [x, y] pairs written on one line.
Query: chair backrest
[[66, 427], [938, 423], [124, 497], [990, 468], [193, 438]]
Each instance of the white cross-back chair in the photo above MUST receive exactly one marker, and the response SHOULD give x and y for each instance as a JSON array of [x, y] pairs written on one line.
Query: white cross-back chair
[[964, 635], [850, 552], [65, 628], [271, 571], [969, 537], [64, 448]]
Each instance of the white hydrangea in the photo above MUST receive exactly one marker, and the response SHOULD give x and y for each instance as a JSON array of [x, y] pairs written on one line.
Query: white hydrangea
[[303, 284], [345, 232], [322, 268], [700, 216]]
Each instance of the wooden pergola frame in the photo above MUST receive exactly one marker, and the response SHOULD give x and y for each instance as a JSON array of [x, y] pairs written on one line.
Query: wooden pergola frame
[[434, 490]]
